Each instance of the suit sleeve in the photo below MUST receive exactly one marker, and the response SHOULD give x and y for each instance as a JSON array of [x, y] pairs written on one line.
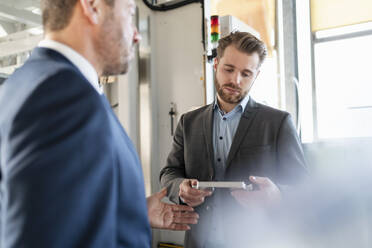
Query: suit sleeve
[[292, 167], [58, 189], [173, 173]]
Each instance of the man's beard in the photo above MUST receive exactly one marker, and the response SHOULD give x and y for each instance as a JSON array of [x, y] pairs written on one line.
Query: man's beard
[[114, 52], [232, 99], [111, 69]]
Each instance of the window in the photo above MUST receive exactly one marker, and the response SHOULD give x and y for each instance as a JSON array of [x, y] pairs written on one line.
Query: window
[[343, 87], [334, 68]]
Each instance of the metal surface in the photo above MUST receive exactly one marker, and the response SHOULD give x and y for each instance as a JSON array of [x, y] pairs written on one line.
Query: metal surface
[[19, 15], [343, 36]]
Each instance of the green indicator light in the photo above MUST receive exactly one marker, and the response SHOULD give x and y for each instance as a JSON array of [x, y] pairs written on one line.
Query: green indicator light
[[215, 37]]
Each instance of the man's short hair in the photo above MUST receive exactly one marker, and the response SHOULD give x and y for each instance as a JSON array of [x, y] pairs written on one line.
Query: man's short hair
[[244, 42], [57, 13]]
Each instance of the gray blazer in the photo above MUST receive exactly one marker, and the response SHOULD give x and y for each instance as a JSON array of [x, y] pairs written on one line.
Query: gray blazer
[[265, 144]]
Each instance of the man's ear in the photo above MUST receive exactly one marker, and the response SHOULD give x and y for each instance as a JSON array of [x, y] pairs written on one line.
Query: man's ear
[[215, 64], [90, 10]]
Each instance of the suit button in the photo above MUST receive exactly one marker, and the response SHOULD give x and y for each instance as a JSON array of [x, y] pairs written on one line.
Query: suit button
[[207, 208]]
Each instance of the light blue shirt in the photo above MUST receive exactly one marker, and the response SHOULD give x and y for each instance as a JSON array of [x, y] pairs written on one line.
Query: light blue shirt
[[224, 129]]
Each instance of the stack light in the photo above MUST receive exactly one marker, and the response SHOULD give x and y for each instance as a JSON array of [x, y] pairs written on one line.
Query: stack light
[[215, 30]]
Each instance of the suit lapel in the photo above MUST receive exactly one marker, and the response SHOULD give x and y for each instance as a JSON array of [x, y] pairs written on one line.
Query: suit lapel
[[243, 127], [208, 132]]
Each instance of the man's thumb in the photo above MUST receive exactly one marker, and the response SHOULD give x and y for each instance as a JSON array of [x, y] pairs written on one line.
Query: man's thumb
[[257, 180], [162, 193]]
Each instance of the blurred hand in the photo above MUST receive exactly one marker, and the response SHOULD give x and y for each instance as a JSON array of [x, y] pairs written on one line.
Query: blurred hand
[[267, 194], [190, 196], [169, 216]]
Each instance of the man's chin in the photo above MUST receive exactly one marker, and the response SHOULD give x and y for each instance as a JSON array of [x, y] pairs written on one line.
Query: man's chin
[[231, 100], [117, 70], [124, 71]]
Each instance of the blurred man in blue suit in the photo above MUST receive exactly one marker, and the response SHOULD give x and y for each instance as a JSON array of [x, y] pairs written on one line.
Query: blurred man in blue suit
[[70, 176]]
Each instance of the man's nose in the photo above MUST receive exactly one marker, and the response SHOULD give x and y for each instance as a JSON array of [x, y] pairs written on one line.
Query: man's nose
[[136, 36], [236, 78]]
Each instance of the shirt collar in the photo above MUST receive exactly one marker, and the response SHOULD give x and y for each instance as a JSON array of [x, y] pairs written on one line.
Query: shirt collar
[[76, 59], [242, 103]]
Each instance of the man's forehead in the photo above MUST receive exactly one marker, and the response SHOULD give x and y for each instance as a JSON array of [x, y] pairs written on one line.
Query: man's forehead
[[248, 63]]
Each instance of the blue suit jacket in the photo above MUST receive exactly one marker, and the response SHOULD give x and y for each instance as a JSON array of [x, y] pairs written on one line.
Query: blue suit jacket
[[70, 176]]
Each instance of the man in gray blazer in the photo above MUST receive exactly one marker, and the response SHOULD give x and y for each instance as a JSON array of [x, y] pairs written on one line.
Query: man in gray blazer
[[232, 139]]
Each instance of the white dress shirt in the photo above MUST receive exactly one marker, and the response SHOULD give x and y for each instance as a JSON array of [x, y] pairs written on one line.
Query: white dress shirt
[[78, 60]]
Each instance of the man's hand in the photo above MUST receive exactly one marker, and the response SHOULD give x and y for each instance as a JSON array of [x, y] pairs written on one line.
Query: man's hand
[[267, 194], [190, 196], [169, 216]]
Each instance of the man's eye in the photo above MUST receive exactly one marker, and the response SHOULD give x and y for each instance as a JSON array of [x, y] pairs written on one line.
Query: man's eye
[[229, 70]]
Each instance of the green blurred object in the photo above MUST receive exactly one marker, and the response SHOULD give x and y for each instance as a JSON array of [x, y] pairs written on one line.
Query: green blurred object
[[215, 37]]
